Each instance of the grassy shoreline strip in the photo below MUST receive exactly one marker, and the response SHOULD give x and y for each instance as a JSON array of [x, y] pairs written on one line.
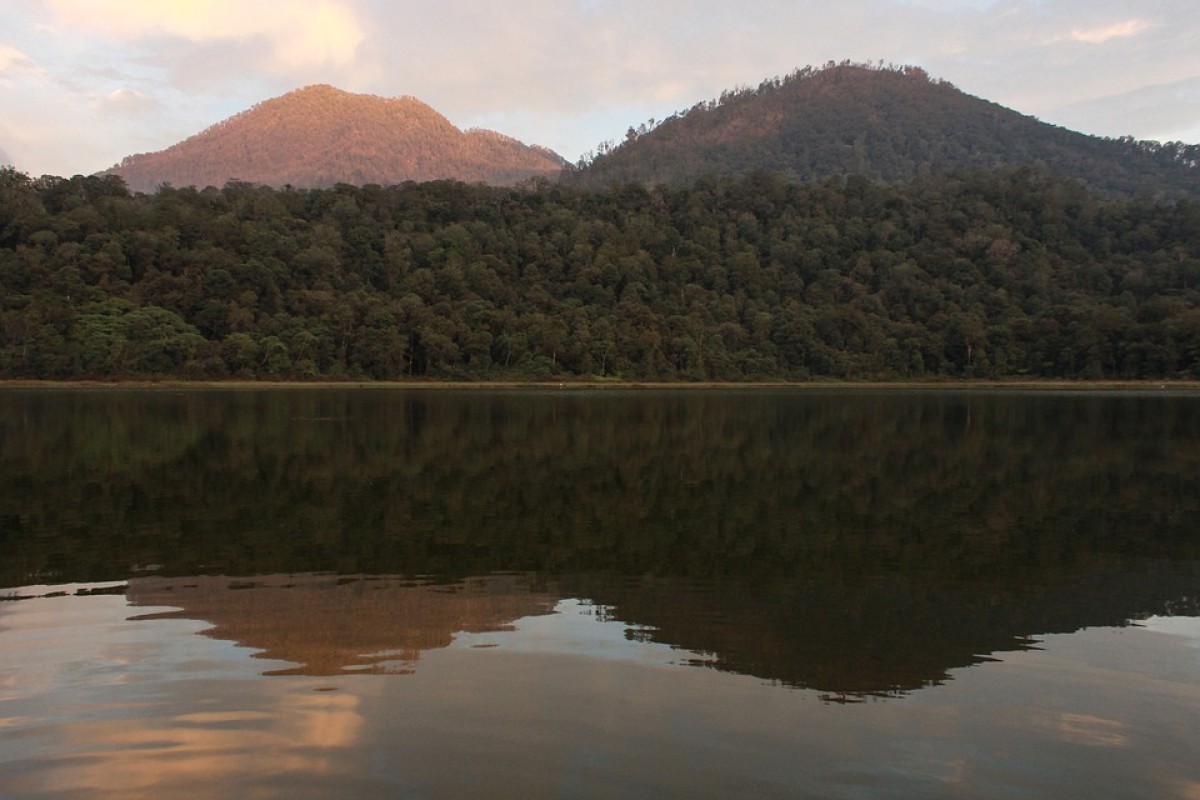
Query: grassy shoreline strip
[[954, 385]]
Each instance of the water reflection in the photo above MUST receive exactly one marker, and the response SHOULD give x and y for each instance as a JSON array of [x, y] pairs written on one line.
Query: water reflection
[[329, 626], [93, 705], [854, 543], [298, 735], [874, 638], [565, 704], [886, 635]]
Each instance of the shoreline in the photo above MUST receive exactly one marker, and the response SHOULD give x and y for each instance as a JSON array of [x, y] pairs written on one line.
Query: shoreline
[[609, 385]]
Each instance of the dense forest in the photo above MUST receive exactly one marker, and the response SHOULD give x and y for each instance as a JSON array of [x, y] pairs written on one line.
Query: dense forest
[[996, 273], [885, 123]]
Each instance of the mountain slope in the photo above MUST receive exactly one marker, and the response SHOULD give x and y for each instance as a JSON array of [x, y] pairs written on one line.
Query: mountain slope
[[885, 124], [319, 136]]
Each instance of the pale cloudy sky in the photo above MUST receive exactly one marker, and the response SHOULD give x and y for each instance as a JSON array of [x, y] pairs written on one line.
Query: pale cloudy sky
[[84, 83]]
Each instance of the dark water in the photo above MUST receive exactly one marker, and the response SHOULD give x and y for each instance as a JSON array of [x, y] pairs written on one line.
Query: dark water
[[599, 594]]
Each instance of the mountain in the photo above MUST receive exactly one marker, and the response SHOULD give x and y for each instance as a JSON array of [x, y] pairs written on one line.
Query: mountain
[[887, 124], [319, 136], [4, 159]]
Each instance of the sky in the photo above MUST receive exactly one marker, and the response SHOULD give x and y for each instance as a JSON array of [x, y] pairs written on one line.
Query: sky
[[84, 83]]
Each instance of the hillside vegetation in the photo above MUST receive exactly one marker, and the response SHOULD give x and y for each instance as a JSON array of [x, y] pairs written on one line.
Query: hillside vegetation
[[886, 124], [1000, 273]]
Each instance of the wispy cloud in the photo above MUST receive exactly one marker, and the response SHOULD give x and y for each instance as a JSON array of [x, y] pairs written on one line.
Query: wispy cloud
[[121, 76], [127, 102], [13, 62], [296, 34], [1121, 30], [1168, 111]]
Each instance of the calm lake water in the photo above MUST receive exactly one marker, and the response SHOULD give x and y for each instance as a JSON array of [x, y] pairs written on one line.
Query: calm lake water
[[609, 594]]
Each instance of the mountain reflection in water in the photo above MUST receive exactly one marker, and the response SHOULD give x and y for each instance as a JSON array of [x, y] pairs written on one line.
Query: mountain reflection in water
[[874, 638], [854, 543], [330, 626]]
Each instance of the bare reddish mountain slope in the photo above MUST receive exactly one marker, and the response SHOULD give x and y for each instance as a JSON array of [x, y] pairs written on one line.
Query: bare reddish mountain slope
[[319, 136]]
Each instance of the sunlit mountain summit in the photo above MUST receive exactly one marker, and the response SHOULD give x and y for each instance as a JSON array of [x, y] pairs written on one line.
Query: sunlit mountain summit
[[320, 136]]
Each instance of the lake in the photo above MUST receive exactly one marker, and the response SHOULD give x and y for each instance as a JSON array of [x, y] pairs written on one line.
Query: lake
[[764, 593]]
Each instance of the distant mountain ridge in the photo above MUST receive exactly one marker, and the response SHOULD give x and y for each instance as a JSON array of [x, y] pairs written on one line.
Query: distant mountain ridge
[[318, 136], [885, 123]]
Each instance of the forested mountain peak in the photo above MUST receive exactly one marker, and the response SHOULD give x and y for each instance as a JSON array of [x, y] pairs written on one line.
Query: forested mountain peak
[[884, 123], [320, 136]]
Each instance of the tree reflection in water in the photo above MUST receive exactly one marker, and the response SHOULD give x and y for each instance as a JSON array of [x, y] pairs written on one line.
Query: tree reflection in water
[[855, 543]]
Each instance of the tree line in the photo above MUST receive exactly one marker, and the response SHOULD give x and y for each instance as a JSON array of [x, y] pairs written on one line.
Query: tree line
[[1001, 273]]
